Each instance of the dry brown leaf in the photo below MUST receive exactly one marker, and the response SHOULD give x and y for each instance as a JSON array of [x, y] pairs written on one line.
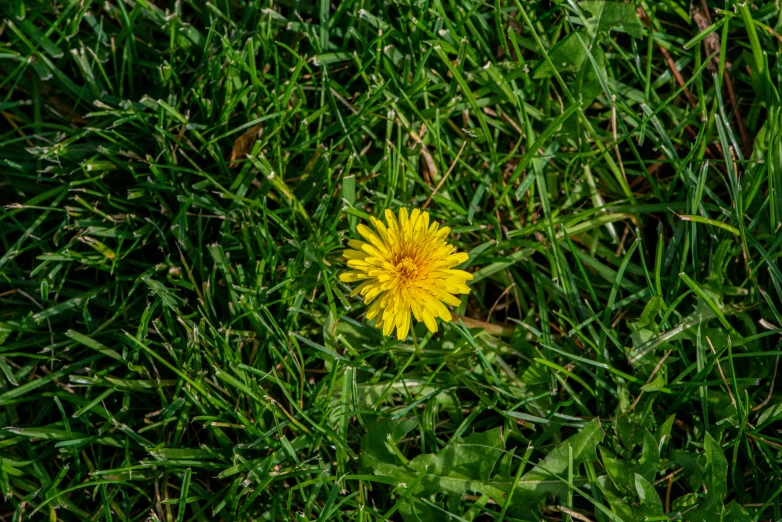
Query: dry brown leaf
[[244, 143], [711, 43], [431, 169]]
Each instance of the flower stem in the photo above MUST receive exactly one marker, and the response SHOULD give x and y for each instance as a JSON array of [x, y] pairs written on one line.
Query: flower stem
[[415, 343]]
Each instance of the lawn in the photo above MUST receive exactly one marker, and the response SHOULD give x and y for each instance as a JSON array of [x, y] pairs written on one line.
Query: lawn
[[178, 185]]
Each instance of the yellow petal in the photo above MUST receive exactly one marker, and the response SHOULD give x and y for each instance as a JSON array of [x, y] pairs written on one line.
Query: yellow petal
[[388, 326], [445, 315], [373, 310], [354, 254], [382, 231], [414, 216], [372, 292], [391, 220], [358, 263], [423, 225], [403, 221], [458, 274], [378, 254], [417, 310], [443, 232], [361, 287], [429, 321], [373, 238], [352, 276], [459, 258], [403, 326], [447, 298]]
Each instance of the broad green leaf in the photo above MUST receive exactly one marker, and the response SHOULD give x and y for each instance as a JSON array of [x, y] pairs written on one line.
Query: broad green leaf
[[651, 311], [467, 465], [649, 462], [583, 443], [720, 402], [685, 503], [645, 504], [567, 55], [770, 414], [735, 513], [621, 472], [618, 16], [707, 511], [570, 55], [375, 445], [651, 506], [714, 466], [464, 465], [631, 428], [642, 331], [664, 431], [689, 461], [617, 469], [716, 469], [455, 467], [656, 384]]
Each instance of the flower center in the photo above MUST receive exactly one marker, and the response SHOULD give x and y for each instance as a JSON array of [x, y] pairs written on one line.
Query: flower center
[[407, 268]]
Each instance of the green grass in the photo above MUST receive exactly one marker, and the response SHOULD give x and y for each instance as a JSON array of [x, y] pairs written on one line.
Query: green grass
[[175, 344]]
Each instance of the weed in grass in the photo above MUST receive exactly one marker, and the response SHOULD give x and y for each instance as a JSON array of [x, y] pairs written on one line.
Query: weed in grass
[[179, 182]]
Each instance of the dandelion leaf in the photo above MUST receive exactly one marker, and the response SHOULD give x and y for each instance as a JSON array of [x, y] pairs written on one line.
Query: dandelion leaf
[[643, 504], [621, 472], [714, 467], [607, 16], [470, 465]]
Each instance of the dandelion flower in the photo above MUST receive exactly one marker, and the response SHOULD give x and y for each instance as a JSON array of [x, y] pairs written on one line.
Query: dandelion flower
[[405, 267]]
